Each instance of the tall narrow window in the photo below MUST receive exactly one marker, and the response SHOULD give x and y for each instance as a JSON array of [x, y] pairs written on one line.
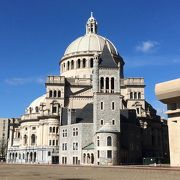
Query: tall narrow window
[[112, 85], [102, 105], [102, 83], [91, 62], [50, 93], [33, 139], [72, 64], [55, 93], [131, 95], [107, 83], [84, 63], [78, 63], [135, 95], [25, 139], [139, 95], [112, 106], [113, 122], [59, 93], [109, 141], [98, 154], [68, 65]]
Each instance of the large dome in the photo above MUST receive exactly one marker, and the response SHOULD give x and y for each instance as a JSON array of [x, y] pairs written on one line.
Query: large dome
[[90, 43]]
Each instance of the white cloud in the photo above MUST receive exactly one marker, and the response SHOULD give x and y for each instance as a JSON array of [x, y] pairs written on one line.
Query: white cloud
[[147, 46], [16, 81]]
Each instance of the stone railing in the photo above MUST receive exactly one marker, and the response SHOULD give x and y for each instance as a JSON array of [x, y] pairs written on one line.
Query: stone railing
[[132, 81], [79, 81], [55, 79]]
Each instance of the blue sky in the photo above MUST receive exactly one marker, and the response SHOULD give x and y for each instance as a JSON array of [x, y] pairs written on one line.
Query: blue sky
[[35, 33]]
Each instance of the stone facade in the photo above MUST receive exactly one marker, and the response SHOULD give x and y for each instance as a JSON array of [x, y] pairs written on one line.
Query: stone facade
[[90, 113]]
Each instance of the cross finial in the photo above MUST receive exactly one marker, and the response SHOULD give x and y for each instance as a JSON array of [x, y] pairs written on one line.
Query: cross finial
[[91, 14]]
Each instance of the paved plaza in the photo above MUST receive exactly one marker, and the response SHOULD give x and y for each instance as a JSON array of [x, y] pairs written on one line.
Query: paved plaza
[[57, 172]]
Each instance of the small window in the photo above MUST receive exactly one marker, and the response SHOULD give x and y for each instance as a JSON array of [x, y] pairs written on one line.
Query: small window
[[54, 109], [49, 153], [102, 122], [109, 154], [54, 129], [49, 142], [109, 141], [98, 154], [98, 142], [33, 128], [50, 129], [113, 122]]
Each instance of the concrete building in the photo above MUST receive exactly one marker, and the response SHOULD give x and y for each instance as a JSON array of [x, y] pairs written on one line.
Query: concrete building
[[169, 93], [90, 113]]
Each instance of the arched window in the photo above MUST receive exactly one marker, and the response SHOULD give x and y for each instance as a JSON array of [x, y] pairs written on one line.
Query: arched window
[[18, 134], [59, 93], [78, 63], [33, 139], [64, 66], [25, 139], [107, 83], [109, 141], [50, 129], [72, 64], [92, 158], [112, 84], [102, 83], [131, 95], [91, 62], [139, 95], [84, 158], [37, 109], [84, 63], [55, 93], [135, 95], [68, 65], [50, 93]]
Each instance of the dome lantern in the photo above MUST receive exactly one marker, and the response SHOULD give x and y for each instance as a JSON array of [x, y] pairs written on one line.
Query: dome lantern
[[91, 26]]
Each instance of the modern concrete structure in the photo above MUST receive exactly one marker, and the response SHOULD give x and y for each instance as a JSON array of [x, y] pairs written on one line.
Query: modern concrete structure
[[169, 93], [90, 113]]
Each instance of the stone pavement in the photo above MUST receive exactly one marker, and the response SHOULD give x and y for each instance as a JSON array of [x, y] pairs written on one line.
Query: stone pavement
[[57, 172]]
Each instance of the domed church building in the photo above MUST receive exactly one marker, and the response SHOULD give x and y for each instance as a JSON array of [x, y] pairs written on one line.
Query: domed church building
[[90, 114]]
